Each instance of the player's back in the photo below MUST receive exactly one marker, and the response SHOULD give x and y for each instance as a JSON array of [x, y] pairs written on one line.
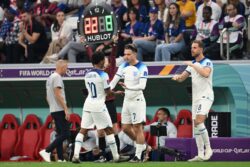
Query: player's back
[[96, 81]]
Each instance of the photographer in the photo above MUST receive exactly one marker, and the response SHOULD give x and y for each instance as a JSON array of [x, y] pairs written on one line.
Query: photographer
[[163, 116]]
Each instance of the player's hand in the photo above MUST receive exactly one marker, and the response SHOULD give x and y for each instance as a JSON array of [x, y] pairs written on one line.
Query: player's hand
[[176, 77], [189, 63], [67, 115], [122, 85], [119, 92]]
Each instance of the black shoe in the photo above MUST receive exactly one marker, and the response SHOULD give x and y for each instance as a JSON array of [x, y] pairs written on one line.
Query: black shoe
[[135, 160], [76, 160], [101, 159]]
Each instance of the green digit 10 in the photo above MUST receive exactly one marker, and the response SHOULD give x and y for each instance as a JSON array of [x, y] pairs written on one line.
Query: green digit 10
[[109, 25]]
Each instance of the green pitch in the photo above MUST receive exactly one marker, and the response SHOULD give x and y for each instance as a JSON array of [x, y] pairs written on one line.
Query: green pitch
[[147, 164]]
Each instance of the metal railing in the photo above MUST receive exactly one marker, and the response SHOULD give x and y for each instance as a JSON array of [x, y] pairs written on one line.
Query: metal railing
[[225, 30], [248, 27]]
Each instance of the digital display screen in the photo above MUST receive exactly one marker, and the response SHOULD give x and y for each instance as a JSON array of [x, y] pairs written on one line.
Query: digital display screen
[[98, 24]]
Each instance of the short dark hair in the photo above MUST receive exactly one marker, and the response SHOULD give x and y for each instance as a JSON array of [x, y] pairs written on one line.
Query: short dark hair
[[135, 11], [131, 47], [208, 8], [165, 110], [199, 42], [97, 57]]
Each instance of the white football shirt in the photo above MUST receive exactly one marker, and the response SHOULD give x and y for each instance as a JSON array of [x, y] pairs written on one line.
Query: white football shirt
[[202, 87], [96, 81]]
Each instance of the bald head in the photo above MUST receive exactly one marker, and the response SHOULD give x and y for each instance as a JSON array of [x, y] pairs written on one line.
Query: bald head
[[61, 66]]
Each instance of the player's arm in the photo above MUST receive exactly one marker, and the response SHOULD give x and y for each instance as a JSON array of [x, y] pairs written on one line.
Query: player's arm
[[142, 81], [116, 78], [141, 86], [59, 98], [109, 92], [203, 71], [181, 77]]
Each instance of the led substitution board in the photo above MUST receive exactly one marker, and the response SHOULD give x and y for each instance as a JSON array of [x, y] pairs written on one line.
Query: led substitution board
[[98, 23]]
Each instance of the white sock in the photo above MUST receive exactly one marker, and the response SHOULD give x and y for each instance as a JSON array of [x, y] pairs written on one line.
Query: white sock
[[78, 144], [112, 145], [139, 149], [199, 142], [204, 135]]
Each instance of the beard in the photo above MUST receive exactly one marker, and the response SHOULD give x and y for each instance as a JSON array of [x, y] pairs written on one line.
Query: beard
[[194, 55]]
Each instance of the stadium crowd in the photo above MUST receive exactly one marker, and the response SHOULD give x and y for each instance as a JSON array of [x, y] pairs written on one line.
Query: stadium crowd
[[34, 31]]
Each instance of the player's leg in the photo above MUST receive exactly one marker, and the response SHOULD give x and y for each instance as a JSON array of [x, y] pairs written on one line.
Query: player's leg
[[138, 116], [197, 136], [102, 120], [86, 123], [113, 115], [78, 144], [102, 145], [62, 128], [201, 115]]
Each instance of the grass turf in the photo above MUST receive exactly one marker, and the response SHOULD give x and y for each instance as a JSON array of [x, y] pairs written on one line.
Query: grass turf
[[148, 164]]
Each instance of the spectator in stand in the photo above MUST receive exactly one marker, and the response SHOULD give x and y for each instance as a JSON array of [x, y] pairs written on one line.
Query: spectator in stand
[[163, 10], [32, 38], [45, 13], [247, 2], [61, 34], [11, 39], [208, 30], [120, 10], [133, 29], [140, 7], [188, 12], [72, 49], [240, 8], [216, 11], [198, 3], [153, 31], [174, 42], [234, 23]]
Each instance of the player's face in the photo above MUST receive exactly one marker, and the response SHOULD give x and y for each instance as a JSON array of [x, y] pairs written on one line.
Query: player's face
[[161, 115], [64, 68], [129, 55], [196, 50]]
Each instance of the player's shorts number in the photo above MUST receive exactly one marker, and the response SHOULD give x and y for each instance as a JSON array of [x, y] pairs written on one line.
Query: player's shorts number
[[92, 88], [134, 116]]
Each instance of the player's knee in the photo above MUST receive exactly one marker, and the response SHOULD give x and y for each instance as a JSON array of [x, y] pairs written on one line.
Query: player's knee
[[109, 131], [138, 128], [101, 133], [79, 137]]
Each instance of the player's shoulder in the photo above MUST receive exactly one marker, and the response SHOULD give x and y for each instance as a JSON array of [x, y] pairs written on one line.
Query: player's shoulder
[[123, 65], [141, 66], [206, 62], [99, 72], [55, 75]]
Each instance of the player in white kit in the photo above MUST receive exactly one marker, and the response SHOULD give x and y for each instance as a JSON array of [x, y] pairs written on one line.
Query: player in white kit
[[95, 112], [201, 70], [135, 75]]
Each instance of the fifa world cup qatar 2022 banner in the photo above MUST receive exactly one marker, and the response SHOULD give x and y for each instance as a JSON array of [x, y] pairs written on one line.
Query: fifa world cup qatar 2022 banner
[[98, 23]]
